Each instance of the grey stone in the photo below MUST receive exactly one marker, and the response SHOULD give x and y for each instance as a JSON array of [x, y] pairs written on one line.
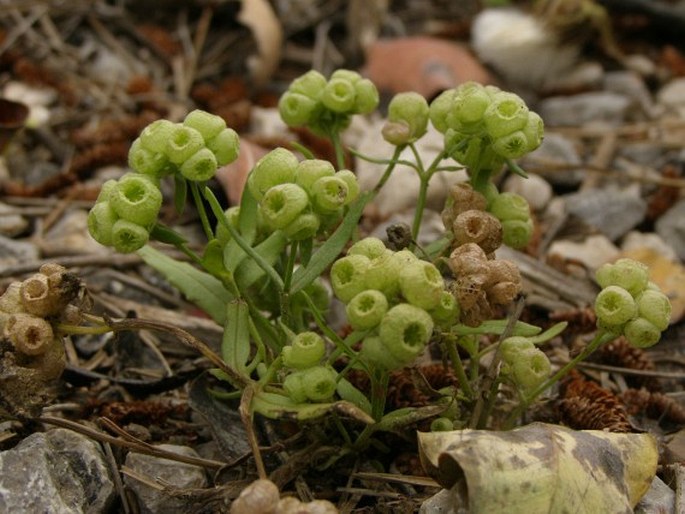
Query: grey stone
[[671, 228], [671, 97], [658, 499], [556, 150], [11, 224], [447, 501], [631, 85], [176, 474], [612, 211], [59, 471], [577, 110], [635, 240], [13, 251], [70, 236]]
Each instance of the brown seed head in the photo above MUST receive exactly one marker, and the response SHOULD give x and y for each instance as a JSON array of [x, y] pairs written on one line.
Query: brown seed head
[[30, 335], [260, 497], [478, 227]]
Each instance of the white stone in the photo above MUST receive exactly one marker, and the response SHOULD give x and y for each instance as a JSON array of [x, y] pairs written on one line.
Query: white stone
[[592, 253], [535, 189], [651, 240], [520, 47]]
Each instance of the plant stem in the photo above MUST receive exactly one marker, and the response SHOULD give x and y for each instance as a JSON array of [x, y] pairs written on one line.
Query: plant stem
[[600, 338], [261, 262], [458, 367], [337, 145], [200, 206], [388, 170]]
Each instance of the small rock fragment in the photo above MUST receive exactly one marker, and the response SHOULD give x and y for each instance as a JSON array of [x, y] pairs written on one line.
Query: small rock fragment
[[612, 211], [176, 474], [578, 110], [671, 228], [59, 471], [592, 253]]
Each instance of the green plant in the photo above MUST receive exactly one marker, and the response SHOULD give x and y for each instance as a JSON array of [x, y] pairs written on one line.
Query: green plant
[[260, 272]]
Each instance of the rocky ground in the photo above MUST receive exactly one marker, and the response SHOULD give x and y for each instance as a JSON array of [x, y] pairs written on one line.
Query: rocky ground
[[130, 426]]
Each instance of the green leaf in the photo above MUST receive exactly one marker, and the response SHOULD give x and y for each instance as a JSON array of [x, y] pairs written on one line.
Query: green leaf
[[277, 406], [269, 250], [550, 333], [348, 392], [167, 235], [235, 345], [401, 418], [199, 287], [213, 261], [497, 326], [330, 250]]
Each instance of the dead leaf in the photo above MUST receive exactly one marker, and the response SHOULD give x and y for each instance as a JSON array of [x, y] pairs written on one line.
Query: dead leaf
[[542, 468], [260, 18]]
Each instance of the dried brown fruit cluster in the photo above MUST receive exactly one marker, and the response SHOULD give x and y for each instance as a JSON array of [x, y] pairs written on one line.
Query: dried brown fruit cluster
[[31, 356], [481, 281]]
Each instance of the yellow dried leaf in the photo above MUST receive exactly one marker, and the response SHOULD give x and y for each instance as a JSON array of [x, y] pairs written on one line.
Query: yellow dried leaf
[[542, 468], [260, 18]]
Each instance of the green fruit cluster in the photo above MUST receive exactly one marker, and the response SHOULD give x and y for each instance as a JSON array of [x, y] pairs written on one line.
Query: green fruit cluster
[[326, 106], [395, 296], [484, 126], [300, 198], [629, 304]]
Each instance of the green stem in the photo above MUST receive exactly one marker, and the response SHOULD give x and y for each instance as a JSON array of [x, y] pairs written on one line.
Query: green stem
[[63, 328], [379, 392], [261, 262], [337, 145], [420, 206], [600, 338], [200, 206], [458, 367], [388, 170]]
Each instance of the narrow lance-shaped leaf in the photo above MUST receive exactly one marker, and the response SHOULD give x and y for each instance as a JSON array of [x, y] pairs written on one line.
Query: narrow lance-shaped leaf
[[277, 406], [235, 345], [199, 287]]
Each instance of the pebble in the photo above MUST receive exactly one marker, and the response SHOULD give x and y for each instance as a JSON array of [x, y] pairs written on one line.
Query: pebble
[[631, 85], [556, 149], [401, 190], [535, 189], [176, 474], [521, 48], [70, 236], [577, 110], [671, 97], [13, 251], [612, 211], [634, 240], [594, 251], [11, 224], [59, 471], [671, 228]]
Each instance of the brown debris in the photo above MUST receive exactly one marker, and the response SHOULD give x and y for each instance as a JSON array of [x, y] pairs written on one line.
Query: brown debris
[[585, 405], [620, 352], [665, 196], [653, 405], [409, 387]]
